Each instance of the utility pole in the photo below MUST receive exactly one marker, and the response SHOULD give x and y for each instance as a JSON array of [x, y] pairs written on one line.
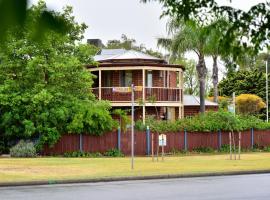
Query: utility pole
[[132, 126]]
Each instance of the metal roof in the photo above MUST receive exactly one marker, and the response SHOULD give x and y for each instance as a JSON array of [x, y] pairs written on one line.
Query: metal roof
[[122, 54], [190, 100]]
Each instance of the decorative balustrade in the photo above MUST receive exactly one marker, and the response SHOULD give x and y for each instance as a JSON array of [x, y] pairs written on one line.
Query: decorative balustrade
[[152, 94]]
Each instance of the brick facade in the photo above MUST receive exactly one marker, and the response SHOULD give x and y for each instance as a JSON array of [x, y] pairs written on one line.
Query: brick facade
[[160, 78], [194, 110]]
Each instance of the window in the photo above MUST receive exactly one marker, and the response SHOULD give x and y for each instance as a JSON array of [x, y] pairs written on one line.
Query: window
[[107, 79], [125, 78], [149, 79]]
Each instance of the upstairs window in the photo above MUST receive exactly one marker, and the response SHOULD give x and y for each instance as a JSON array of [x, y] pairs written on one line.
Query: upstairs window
[[125, 78]]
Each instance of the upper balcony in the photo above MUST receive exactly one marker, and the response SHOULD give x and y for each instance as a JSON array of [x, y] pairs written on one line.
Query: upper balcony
[[151, 94], [159, 81]]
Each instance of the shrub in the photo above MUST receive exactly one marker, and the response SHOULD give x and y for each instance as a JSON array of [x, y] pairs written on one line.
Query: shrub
[[23, 149], [225, 148], [113, 153], [207, 122], [81, 154], [204, 150], [249, 104]]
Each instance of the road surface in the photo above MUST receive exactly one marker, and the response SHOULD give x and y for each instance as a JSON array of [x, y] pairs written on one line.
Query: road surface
[[217, 188]]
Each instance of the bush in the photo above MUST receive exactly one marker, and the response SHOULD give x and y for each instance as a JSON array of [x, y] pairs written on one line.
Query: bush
[[23, 149], [204, 150], [225, 148], [249, 104], [81, 154], [207, 122], [113, 153]]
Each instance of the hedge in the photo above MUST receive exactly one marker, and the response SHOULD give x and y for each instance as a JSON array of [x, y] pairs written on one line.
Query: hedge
[[207, 122]]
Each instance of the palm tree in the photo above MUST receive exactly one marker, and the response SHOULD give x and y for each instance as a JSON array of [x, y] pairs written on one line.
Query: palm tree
[[213, 48], [187, 37]]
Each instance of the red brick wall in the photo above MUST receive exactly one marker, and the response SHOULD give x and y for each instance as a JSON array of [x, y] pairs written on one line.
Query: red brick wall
[[173, 79], [193, 110], [158, 78], [115, 78], [137, 77]]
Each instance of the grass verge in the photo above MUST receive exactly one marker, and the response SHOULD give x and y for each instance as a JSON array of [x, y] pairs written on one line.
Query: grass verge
[[14, 170]]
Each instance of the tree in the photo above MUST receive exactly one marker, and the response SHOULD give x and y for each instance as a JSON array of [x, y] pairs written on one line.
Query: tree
[[14, 13], [243, 82], [186, 37], [191, 83], [128, 44], [45, 87], [249, 104], [251, 25], [214, 49]]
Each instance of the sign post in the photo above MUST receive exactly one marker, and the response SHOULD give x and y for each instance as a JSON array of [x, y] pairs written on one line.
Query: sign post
[[162, 140]]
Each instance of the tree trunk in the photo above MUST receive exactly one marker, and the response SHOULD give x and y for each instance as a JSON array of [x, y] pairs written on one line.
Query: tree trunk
[[215, 78], [202, 72]]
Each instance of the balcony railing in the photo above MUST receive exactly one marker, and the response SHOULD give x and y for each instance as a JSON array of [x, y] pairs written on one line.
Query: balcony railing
[[152, 94]]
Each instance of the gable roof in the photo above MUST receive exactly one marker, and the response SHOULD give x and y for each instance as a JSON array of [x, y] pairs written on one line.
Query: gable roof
[[191, 100]]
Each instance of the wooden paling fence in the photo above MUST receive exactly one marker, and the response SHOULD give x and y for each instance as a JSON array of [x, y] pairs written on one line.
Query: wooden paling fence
[[182, 140]]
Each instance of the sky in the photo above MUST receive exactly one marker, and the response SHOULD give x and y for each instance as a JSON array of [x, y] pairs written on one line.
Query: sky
[[109, 19]]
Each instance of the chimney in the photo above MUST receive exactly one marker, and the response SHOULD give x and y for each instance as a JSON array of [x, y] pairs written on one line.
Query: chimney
[[95, 42]]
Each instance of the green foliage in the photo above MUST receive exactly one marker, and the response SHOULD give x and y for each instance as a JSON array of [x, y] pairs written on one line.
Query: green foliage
[[124, 119], [45, 87], [130, 43], [23, 149], [204, 150], [243, 82], [204, 11], [14, 13], [139, 125], [225, 148], [113, 153], [266, 149], [82, 154], [208, 122]]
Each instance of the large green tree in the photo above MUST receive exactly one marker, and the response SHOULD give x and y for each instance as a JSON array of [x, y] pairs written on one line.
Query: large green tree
[[252, 25], [185, 37], [44, 86], [243, 82]]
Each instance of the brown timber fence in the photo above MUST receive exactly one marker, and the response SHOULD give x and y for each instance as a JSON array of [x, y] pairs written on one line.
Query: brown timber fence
[[175, 141]]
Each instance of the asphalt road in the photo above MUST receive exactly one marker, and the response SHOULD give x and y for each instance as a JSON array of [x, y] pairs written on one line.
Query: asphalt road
[[217, 188]]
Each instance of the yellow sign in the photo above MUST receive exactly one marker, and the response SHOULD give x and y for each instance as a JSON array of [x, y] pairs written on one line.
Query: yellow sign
[[138, 88], [127, 89], [122, 89]]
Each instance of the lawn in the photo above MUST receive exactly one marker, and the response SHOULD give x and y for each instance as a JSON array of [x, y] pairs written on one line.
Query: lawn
[[57, 168]]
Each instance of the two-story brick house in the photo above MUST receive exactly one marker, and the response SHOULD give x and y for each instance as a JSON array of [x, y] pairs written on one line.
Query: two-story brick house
[[159, 84]]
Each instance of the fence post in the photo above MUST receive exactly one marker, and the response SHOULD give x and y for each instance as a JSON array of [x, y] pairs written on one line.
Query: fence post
[[119, 138], [81, 142], [147, 141], [252, 137], [185, 140], [219, 139]]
